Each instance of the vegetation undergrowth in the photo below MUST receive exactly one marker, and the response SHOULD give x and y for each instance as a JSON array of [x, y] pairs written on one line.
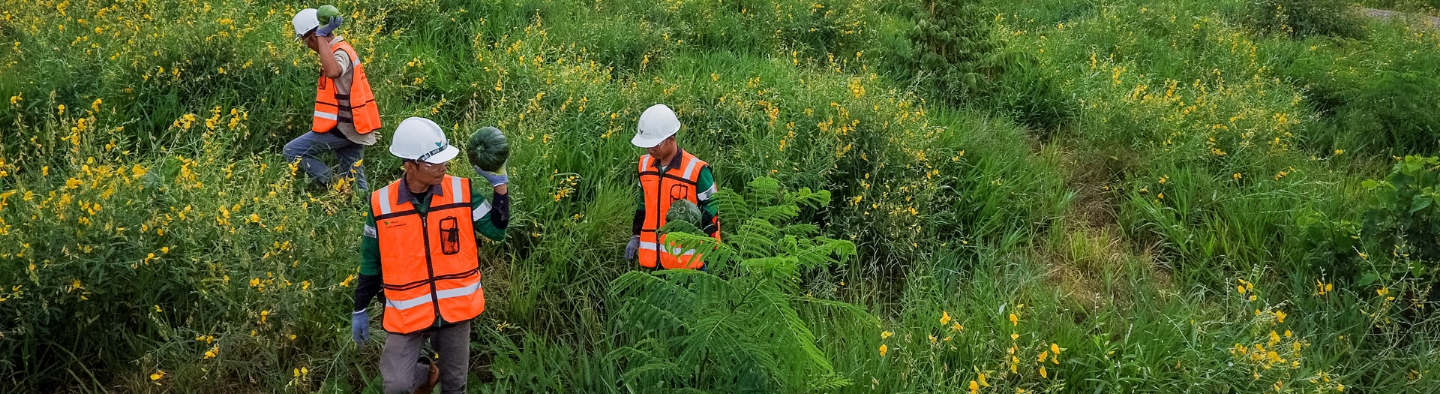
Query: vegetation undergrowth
[[956, 196]]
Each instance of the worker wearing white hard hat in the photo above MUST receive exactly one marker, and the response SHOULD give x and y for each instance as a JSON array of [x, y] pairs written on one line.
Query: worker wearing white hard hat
[[668, 174], [345, 113], [420, 246]]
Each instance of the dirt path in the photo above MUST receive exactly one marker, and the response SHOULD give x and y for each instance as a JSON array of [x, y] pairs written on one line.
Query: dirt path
[[1425, 21]]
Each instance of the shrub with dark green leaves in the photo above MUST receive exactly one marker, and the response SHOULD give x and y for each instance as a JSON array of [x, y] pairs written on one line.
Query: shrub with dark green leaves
[[1303, 18], [1405, 223], [1380, 97], [1331, 245], [952, 45]]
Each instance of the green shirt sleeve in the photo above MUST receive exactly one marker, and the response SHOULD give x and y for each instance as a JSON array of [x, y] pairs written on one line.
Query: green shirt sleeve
[[369, 246], [706, 186], [479, 204]]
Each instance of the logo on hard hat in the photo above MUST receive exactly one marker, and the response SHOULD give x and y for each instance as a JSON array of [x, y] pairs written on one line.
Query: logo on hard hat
[[440, 147]]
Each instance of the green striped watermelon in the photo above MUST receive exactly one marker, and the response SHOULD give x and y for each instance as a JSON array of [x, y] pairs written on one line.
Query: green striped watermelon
[[488, 149], [683, 211]]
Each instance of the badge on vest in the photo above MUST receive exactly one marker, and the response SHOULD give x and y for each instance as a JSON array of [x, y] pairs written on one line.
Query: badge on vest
[[389, 224]]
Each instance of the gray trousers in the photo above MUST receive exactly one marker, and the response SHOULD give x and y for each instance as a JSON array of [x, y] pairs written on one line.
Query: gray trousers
[[309, 145], [403, 373]]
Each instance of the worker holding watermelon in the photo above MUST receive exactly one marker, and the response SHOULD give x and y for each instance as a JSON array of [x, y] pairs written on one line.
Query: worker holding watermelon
[[345, 116], [668, 175], [420, 246]]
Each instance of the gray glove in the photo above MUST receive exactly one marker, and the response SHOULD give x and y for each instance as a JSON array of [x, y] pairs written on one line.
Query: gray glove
[[496, 178], [324, 31], [360, 327], [632, 249]]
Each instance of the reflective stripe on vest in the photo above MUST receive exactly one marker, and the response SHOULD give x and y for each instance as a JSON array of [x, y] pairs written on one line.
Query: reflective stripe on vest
[[442, 294], [428, 262], [360, 102], [660, 190]]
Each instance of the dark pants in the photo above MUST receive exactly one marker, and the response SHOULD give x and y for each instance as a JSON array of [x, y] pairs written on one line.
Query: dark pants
[[402, 373], [306, 147]]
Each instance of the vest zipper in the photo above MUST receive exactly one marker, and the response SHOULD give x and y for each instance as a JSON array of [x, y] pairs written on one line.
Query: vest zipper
[[659, 194], [430, 266]]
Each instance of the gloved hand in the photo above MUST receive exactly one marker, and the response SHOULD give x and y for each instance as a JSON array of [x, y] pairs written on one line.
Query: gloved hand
[[360, 327], [324, 31], [632, 249], [496, 178]]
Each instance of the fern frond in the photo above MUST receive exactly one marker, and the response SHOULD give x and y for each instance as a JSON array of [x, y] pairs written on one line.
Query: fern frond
[[804, 230], [829, 382], [766, 190], [778, 214], [732, 206]]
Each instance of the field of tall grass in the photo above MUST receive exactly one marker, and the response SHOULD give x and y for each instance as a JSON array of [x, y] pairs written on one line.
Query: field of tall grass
[[952, 196]]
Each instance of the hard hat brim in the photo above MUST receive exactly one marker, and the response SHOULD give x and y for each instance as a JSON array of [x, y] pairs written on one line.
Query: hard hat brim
[[444, 156], [642, 141]]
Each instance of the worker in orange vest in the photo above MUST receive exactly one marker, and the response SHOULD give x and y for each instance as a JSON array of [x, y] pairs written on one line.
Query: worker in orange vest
[[345, 116], [420, 246], [668, 174]]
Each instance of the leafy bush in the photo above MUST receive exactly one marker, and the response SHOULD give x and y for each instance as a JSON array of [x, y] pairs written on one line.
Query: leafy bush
[[952, 45], [1380, 98], [1406, 219], [1302, 18], [698, 330], [1332, 246]]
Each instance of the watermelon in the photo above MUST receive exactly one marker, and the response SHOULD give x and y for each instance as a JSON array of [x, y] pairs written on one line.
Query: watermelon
[[325, 12], [488, 149], [683, 211]]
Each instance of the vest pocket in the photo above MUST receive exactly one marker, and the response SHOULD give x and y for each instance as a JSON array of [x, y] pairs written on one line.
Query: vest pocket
[[449, 235], [679, 192]]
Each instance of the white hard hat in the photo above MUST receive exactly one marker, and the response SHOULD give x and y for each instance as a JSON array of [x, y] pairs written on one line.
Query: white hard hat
[[304, 21], [421, 139], [656, 124]]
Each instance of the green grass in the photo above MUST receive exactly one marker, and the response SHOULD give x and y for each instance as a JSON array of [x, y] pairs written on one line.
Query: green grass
[[151, 225]]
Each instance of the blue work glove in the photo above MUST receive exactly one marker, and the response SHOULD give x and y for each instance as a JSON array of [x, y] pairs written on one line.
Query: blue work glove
[[632, 250], [496, 178], [324, 31], [360, 327]]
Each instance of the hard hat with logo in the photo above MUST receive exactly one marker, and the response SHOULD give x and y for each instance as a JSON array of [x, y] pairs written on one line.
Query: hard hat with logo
[[421, 139], [656, 124], [304, 21]]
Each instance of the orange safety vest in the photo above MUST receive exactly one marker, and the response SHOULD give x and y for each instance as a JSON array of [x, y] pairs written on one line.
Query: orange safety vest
[[677, 183], [428, 261], [360, 101]]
